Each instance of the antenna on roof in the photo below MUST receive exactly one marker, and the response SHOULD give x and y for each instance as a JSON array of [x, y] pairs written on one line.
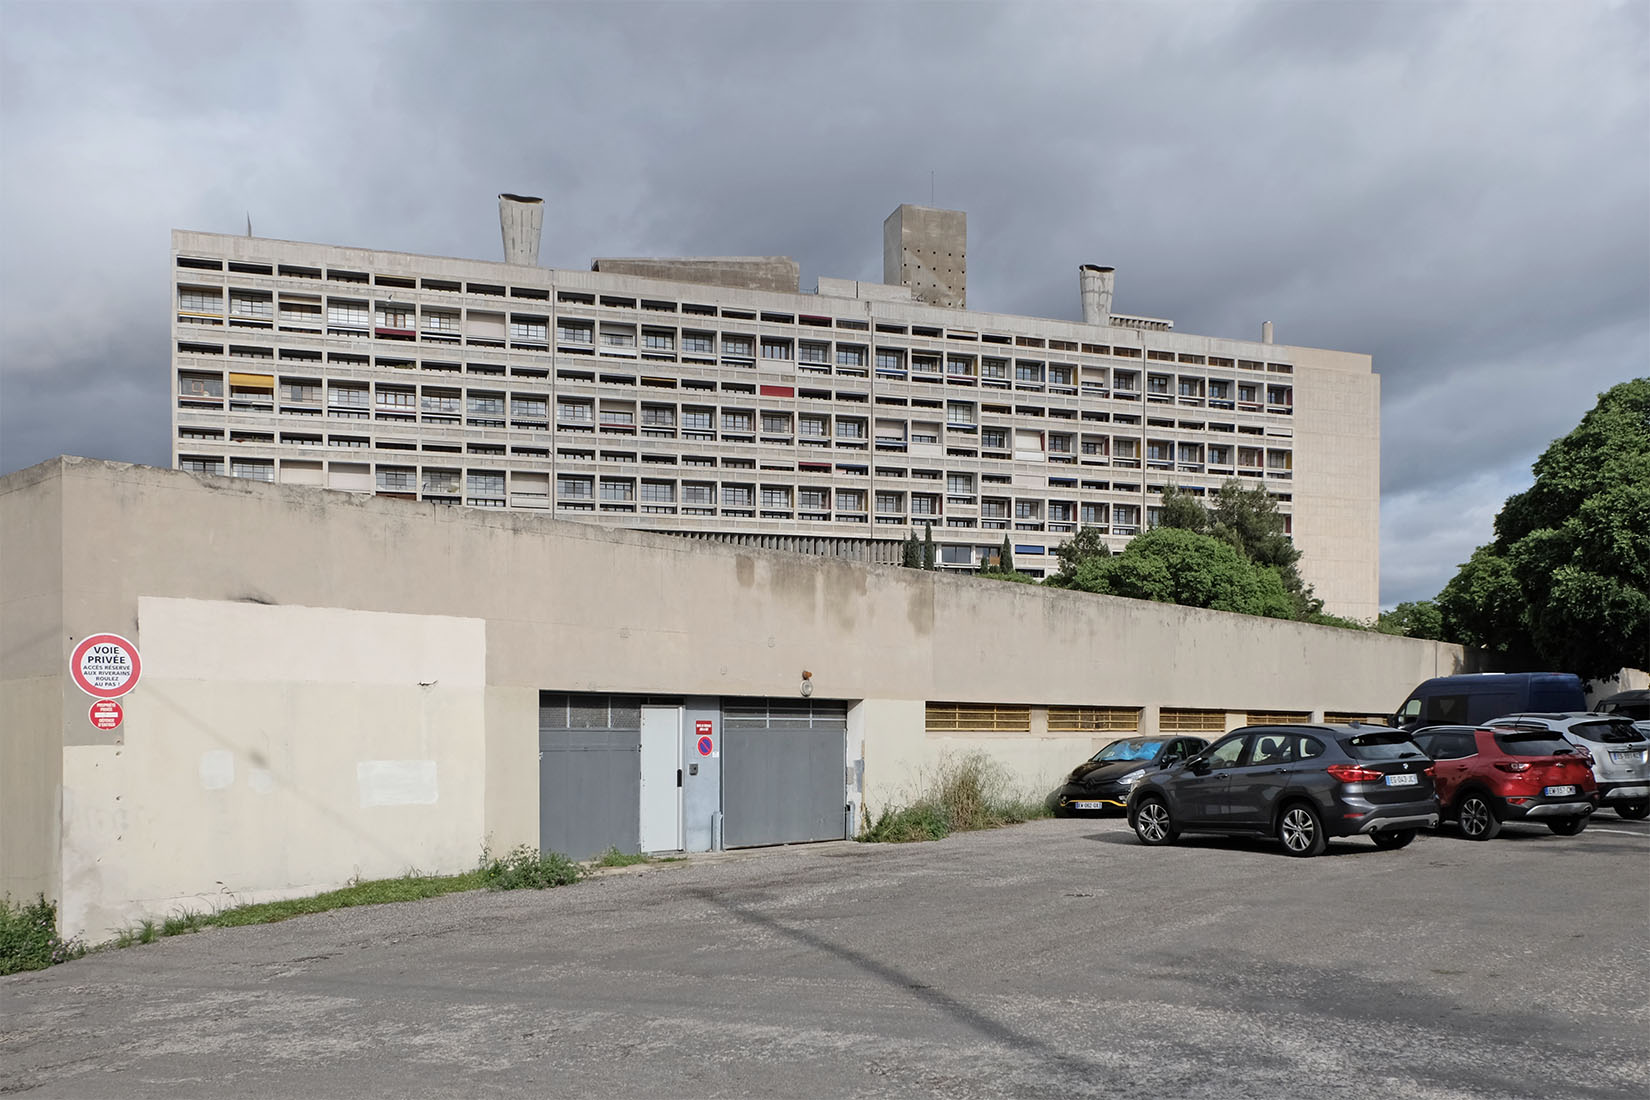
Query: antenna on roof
[[249, 223]]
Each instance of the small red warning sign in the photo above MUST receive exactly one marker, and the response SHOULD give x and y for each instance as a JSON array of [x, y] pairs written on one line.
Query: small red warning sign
[[105, 714]]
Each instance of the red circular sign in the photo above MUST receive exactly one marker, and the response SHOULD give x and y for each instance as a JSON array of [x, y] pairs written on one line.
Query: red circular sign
[[105, 666], [105, 714], [705, 746]]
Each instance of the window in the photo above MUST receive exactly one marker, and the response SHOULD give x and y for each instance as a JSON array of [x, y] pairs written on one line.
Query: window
[[487, 406], [775, 349], [574, 488], [1093, 515], [196, 464], [776, 496], [1027, 509], [696, 418], [1093, 719], [776, 423], [658, 339], [346, 314], [658, 492], [813, 500], [817, 427], [737, 420], [614, 488], [891, 502], [574, 332], [200, 300], [850, 355], [960, 366], [702, 494], [925, 504], [525, 405], [703, 343], [257, 469], [737, 496], [397, 479], [996, 717], [850, 500], [304, 392], [890, 360], [1026, 370], [810, 352], [994, 368], [244, 303], [737, 347], [485, 488], [1189, 720], [850, 428], [994, 438], [959, 412], [959, 484], [441, 482]]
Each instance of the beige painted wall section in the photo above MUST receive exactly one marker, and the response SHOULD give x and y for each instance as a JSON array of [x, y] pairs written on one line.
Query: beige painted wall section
[[1337, 482], [32, 657], [277, 751]]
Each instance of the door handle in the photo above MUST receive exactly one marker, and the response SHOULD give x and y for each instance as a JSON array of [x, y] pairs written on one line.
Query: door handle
[[678, 777]]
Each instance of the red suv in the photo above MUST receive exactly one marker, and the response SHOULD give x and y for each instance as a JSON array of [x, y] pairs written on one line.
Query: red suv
[[1487, 776]]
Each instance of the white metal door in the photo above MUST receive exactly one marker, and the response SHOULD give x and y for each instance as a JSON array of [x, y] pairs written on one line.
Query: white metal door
[[661, 800]]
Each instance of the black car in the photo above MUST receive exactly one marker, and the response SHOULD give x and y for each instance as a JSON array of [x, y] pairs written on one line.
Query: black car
[[1104, 780], [1301, 784]]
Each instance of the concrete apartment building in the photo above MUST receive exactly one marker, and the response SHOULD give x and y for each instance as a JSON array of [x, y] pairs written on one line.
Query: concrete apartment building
[[713, 398]]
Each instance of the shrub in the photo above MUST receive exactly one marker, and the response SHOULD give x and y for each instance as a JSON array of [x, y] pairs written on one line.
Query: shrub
[[525, 867], [29, 939], [963, 794], [615, 858]]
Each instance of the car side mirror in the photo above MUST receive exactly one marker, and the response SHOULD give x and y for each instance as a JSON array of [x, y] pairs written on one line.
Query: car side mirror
[[1199, 765]]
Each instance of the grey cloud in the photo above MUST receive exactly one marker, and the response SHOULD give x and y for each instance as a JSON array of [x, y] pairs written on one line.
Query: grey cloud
[[1456, 189]]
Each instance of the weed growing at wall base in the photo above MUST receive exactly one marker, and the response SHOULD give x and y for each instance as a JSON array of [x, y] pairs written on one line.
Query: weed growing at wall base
[[525, 867], [962, 794], [29, 939]]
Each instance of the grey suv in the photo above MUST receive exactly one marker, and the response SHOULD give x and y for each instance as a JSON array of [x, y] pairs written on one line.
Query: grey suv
[[1300, 784], [1620, 754]]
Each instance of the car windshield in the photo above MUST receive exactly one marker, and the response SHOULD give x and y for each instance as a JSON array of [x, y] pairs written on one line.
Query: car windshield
[[1533, 743], [1391, 745], [1613, 733], [1135, 749]]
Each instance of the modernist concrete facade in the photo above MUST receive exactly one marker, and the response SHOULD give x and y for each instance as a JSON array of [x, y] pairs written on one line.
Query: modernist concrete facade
[[712, 397], [337, 685]]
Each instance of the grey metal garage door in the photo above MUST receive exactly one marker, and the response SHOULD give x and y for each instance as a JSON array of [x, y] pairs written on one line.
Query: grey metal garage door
[[589, 773], [782, 771]]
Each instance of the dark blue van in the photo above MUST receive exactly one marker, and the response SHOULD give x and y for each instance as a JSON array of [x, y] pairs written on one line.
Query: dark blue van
[[1475, 699]]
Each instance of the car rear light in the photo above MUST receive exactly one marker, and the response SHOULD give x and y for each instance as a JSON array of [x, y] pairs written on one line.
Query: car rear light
[[1520, 801], [1354, 773], [1512, 765], [1430, 772]]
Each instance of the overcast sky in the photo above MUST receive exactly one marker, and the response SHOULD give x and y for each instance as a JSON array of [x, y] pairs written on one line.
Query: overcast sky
[[1460, 190]]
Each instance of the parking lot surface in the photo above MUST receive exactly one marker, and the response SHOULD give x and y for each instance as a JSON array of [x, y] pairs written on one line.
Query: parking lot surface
[[1058, 957]]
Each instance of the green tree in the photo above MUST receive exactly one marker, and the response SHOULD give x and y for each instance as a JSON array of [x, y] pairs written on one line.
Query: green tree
[[928, 546], [1171, 565], [1566, 581], [1249, 520], [1183, 511], [911, 552], [1413, 619], [1086, 545], [1005, 557]]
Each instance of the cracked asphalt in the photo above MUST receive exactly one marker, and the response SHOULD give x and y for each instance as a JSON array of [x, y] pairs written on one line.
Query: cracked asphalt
[[1058, 957]]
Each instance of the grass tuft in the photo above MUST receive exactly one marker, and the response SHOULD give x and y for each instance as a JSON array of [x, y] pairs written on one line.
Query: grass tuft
[[615, 858], [963, 794], [525, 867]]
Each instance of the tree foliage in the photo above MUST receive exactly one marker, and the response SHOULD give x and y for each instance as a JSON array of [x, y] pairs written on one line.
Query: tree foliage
[[1174, 565], [1414, 619], [1087, 543], [928, 547], [910, 552], [1566, 581]]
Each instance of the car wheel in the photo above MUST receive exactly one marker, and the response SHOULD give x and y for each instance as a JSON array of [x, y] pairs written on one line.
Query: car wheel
[[1153, 823], [1568, 826], [1477, 817], [1301, 832], [1392, 840], [1633, 811]]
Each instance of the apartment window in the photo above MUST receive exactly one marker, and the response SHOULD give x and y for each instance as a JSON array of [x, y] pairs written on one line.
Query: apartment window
[[1125, 515], [437, 321], [815, 427], [619, 336], [959, 484], [850, 428], [703, 343], [658, 492], [850, 500], [959, 412], [1093, 515], [850, 355], [658, 339], [534, 329], [1027, 509], [776, 423], [960, 366], [776, 496], [1220, 455], [698, 419], [303, 392], [1190, 453], [813, 500], [247, 304], [574, 332], [257, 469], [775, 349], [1191, 387], [485, 489], [925, 504], [891, 502], [994, 438], [737, 420], [701, 494], [575, 411], [994, 368], [889, 360], [1026, 370], [200, 300], [347, 314], [574, 488], [397, 479], [737, 496], [200, 385], [441, 483], [658, 416], [622, 489], [395, 400], [485, 407], [196, 464], [738, 347], [1059, 374], [810, 352]]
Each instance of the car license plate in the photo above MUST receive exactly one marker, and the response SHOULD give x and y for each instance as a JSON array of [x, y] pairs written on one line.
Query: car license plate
[[1088, 805], [1558, 792], [1405, 780]]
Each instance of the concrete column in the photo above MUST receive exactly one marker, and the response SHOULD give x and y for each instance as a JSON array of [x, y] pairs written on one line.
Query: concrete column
[[1096, 284], [1266, 332], [520, 222]]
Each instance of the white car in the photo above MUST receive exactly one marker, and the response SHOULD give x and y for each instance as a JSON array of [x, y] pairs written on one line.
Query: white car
[[1619, 748]]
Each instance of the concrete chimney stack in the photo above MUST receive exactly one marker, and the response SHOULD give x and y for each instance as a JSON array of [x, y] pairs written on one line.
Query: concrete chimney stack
[[1266, 332], [521, 220], [1096, 284]]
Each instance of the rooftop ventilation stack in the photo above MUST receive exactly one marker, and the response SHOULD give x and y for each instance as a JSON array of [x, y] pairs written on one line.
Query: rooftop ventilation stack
[[1096, 284], [521, 220]]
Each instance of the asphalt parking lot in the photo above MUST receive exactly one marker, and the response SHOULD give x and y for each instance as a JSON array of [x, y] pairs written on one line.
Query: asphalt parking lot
[[1059, 957]]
